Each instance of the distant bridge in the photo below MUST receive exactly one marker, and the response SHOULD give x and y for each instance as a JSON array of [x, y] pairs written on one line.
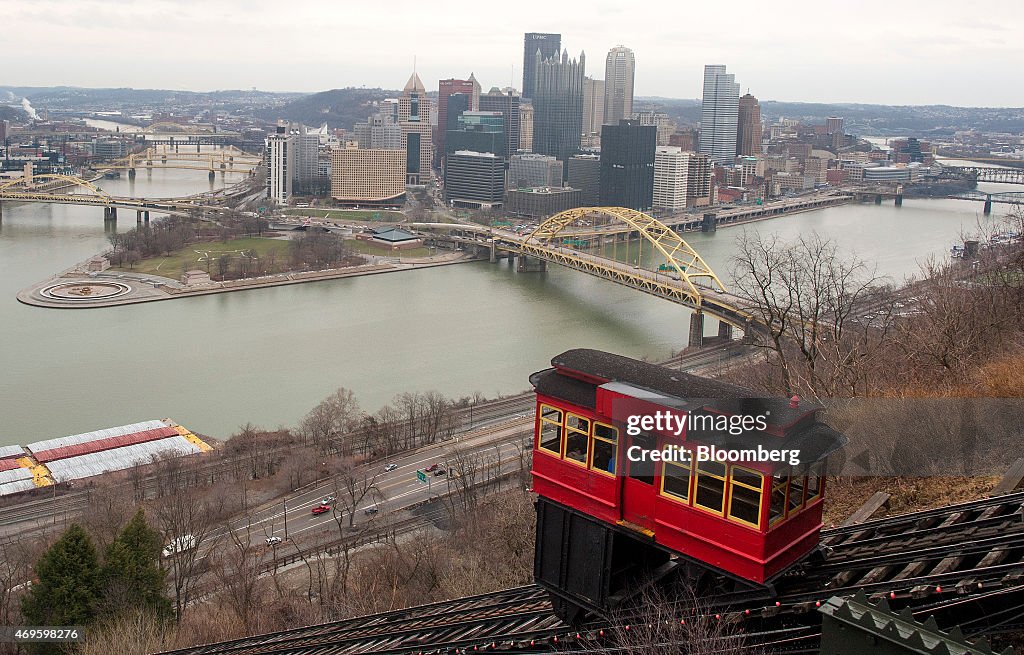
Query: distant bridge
[[1005, 197], [684, 278], [227, 160], [987, 173], [71, 190]]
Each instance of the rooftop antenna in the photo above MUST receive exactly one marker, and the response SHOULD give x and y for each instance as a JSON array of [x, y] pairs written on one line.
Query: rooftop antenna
[[414, 63]]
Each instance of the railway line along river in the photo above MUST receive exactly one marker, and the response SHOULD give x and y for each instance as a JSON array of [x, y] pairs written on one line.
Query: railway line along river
[[266, 356]]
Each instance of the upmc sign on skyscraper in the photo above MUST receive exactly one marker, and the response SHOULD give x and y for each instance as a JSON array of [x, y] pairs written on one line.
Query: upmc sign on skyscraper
[[549, 46]]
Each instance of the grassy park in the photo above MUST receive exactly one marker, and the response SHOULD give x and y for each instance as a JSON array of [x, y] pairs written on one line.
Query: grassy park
[[196, 255]]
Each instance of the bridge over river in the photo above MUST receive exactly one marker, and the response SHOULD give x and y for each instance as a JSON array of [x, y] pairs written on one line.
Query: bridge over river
[[568, 240]]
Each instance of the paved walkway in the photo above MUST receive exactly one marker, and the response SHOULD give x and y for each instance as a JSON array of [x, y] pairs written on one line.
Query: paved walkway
[[148, 288]]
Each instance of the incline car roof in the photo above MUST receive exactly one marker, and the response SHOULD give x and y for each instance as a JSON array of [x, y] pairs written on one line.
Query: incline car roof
[[601, 367]]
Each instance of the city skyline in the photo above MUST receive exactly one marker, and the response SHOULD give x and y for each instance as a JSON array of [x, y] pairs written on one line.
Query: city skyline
[[186, 46]]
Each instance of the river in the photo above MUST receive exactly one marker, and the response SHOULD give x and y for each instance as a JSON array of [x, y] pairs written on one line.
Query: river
[[267, 356]]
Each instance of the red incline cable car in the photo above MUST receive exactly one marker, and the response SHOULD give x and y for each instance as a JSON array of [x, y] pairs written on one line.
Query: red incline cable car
[[645, 473]]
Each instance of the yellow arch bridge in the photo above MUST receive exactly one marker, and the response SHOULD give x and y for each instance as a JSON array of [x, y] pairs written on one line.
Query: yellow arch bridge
[[685, 278], [71, 190]]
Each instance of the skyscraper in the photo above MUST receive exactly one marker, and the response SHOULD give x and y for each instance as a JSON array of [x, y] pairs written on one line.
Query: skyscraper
[[474, 179], [593, 111], [719, 114], [748, 126], [414, 119], [627, 164], [549, 46], [280, 164], [526, 126], [508, 104], [558, 105], [446, 88], [681, 179], [479, 131], [618, 85]]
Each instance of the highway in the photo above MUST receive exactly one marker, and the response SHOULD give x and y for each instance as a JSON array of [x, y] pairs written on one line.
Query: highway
[[495, 429]]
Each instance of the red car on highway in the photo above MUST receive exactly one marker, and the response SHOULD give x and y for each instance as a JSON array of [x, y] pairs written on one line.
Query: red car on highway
[[320, 509]]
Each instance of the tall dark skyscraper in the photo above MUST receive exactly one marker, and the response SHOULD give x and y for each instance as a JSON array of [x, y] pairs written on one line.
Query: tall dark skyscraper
[[627, 164], [508, 104], [558, 105], [549, 46], [748, 126]]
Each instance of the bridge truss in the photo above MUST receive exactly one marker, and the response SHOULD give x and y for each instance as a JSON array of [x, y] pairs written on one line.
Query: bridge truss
[[43, 187], [684, 267]]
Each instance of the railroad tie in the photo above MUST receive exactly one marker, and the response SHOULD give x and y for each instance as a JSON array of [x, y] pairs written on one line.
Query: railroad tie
[[995, 556], [911, 570], [876, 574], [948, 564], [953, 519]]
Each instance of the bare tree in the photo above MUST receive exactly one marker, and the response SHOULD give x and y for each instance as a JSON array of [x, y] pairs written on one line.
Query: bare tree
[[16, 561], [682, 623], [806, 295], [236, 568], [331, 423], [186, 523], [352, 488]]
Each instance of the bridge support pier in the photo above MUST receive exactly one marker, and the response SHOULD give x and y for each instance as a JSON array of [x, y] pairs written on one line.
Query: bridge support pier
[[138, 218], [988, 206], [131, 173], [878, 199], [213, 176], [899, 199], [527, 265], [710, 223], [748, 333], [494, 253], [110, 219], [696, 329], [724, 331], [145, 216]]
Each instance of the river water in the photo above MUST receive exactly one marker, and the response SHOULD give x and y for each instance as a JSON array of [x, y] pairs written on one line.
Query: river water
[[267, 356]]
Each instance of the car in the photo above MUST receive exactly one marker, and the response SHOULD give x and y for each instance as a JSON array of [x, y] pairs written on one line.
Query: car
[[440, 472], [273, 541], [327, 500], [370, 511], [390, 467], [432, 467], [179, 545], [320, 509]]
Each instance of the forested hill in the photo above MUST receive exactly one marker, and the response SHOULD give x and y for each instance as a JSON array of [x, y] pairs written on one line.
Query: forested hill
[[337, 107]]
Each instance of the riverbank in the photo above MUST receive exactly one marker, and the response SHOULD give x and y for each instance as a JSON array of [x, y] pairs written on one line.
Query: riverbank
[[77, 288]]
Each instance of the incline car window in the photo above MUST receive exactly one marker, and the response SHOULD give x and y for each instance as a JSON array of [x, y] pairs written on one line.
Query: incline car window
[[605, 440], [745, 496], [814, 482], [551, 429], [778, 507], [577, 438], [676, 480], [796, 493], [710, 488], [643, 471]]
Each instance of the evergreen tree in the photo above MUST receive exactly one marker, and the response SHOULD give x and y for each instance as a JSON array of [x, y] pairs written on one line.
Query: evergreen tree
[[66, 591], [131, 576]]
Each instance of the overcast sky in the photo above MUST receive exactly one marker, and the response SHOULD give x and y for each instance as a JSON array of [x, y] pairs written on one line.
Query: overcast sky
[[871, 51]]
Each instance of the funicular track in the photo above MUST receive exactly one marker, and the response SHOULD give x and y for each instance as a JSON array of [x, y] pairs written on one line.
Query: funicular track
[[963, 564]]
